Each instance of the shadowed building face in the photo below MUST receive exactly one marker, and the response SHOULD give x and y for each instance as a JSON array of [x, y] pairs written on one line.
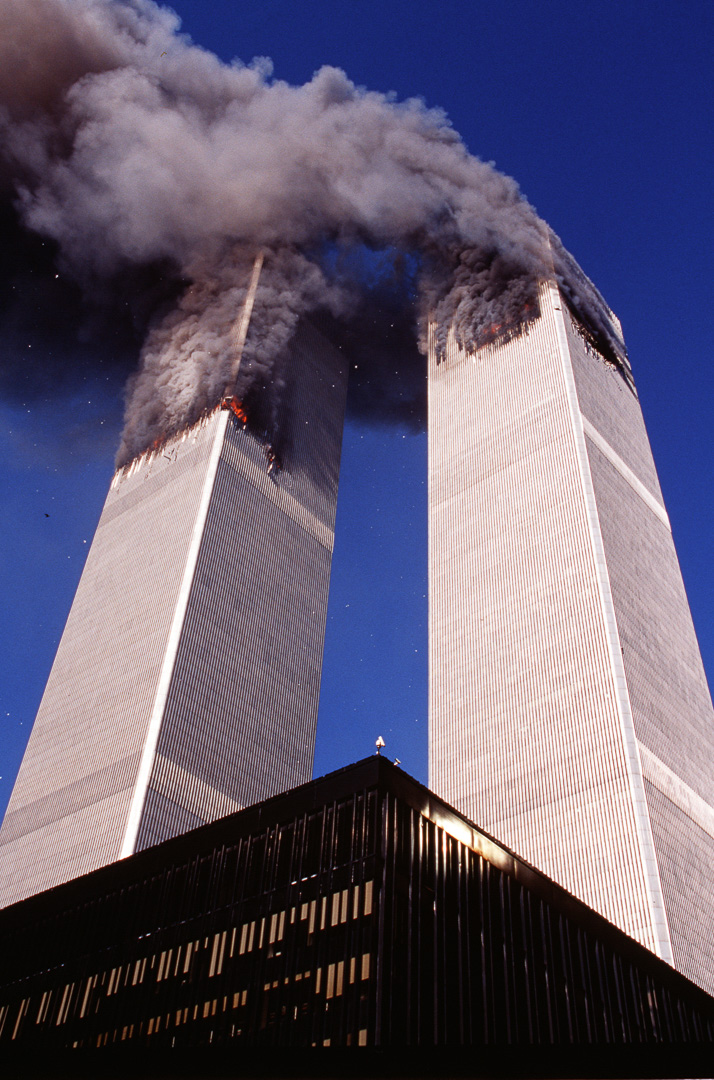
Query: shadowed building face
[[355, 911], [186, 682], [569, 710]]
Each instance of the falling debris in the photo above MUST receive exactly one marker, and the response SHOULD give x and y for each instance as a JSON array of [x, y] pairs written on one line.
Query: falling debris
[[273, 464]]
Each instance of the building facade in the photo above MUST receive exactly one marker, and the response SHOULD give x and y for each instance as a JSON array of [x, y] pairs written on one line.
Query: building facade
[[358, 910], [569, 710], [186, 682]]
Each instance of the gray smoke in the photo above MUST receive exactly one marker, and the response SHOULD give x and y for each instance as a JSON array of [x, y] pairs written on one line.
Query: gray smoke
[[188, 356], [129, 146]]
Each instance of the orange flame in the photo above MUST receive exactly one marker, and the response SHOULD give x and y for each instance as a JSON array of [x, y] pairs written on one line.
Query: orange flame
[[235, 407]]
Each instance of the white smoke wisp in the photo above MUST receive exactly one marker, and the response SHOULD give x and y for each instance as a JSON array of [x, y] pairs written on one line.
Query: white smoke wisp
[[127, 144]]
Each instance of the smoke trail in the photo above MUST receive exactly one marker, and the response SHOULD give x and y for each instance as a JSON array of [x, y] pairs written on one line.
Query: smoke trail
[[130, 148]]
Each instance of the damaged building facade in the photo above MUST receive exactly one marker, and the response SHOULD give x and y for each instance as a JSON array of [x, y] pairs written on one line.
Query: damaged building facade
[[186, 682], [569, 709]]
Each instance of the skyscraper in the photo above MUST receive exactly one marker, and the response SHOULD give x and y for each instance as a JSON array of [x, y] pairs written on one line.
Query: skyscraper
[[569, 709], [186, 682]]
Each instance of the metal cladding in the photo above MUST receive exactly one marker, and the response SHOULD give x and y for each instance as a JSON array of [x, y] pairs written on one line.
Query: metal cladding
[[187, 679], [356, 911], [569, 709]]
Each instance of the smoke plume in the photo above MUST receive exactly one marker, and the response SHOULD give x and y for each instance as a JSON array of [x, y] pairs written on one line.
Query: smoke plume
[[142, 158]]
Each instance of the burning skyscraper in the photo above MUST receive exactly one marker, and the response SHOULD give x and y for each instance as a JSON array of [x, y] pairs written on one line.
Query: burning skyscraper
[[570, 713], [186, 682], [569, 710]]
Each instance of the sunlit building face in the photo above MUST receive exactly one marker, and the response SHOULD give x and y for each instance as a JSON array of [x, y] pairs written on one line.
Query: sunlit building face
[[186, 682]]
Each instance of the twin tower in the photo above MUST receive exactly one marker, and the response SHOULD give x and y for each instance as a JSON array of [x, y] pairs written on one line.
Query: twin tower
[[569, 711]]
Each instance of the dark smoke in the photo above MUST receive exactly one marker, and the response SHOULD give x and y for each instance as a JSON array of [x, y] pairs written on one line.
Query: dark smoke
[[155, 173]]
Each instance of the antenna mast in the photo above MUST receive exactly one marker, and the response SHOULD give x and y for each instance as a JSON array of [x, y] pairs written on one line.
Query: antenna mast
[[240, 327]]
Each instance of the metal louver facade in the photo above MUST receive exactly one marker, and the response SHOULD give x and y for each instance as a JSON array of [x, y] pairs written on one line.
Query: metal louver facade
[[187, 679], [357, 911], [569, 709]]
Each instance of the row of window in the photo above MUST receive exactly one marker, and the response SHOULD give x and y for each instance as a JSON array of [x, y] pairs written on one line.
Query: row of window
[[185, 961]]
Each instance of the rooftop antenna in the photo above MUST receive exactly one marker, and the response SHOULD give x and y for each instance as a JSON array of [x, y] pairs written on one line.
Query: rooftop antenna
[[379, 744], [240, 327]]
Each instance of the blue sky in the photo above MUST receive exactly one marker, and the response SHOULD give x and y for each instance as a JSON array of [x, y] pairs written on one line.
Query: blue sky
[[602, 111]]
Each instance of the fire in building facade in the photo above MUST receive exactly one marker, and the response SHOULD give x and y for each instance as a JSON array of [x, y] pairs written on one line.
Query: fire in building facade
[[569, 710], [187, 679]]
